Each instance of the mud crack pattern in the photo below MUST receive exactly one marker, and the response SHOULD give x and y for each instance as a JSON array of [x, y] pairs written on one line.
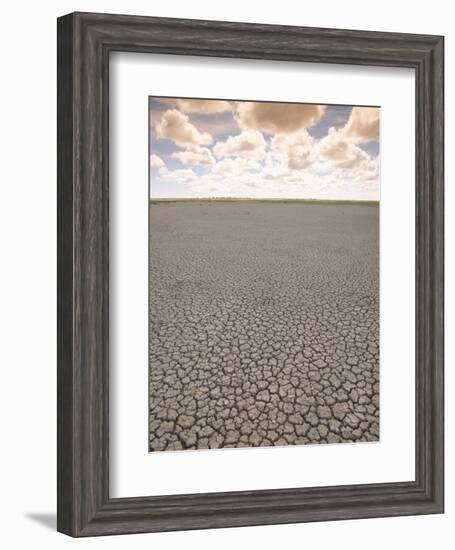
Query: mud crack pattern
[[264, 324]]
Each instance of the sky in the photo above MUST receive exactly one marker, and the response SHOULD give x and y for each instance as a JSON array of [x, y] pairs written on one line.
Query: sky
[[218, 148]]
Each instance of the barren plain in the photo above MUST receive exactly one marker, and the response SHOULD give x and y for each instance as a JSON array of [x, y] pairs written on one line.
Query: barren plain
[[264, 324]]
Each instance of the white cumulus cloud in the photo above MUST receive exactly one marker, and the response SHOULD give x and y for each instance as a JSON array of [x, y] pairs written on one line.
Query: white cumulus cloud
[[195, 156], [177, 127], [247, 144], [277, 117], [203, 106], [156, 162], [297, 149], [363, 124]]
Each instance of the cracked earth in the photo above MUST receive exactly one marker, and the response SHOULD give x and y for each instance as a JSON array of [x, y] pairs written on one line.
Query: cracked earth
[[264, 324]]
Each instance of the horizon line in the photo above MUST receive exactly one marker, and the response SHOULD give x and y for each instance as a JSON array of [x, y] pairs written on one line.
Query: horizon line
[[259, 199]]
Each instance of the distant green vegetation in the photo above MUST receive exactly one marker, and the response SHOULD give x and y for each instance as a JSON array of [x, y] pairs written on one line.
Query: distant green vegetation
[[234, 199]]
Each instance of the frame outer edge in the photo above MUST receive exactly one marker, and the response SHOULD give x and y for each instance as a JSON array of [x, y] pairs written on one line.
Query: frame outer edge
[[430, 275], [437, 158], [66, 445]]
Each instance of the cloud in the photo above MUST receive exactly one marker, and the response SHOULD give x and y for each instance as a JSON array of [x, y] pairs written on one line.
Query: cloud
[[184, 175], [247, 144], [363, 124], [369, 172], [230, 167], [176, 126], [348, 163], [218, 124], [195, 156], [296, 149], [156, 162], [239, 177], [277, 117], [340, 151], [203, 106], [273, 155], [291, 184]]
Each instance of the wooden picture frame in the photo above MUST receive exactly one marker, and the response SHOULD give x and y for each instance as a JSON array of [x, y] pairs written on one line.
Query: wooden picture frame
[[84, 43]]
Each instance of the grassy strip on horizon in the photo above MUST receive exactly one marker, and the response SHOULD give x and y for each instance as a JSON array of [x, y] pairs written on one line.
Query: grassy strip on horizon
[[240, 199]]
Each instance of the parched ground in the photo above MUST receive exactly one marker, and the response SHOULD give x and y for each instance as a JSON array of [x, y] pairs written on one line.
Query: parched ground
[[264, 324]]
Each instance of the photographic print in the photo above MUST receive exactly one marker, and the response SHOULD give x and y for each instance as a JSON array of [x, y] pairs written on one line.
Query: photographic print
[[263, 273]]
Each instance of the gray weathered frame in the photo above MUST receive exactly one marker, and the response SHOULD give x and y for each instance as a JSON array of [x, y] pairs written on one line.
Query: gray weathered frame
[[84, 43]]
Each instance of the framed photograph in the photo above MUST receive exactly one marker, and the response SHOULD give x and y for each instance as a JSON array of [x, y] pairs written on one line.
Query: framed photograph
[[250, 274]]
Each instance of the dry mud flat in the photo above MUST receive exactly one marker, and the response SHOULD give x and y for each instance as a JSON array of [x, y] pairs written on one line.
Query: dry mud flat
[[264, 324]]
